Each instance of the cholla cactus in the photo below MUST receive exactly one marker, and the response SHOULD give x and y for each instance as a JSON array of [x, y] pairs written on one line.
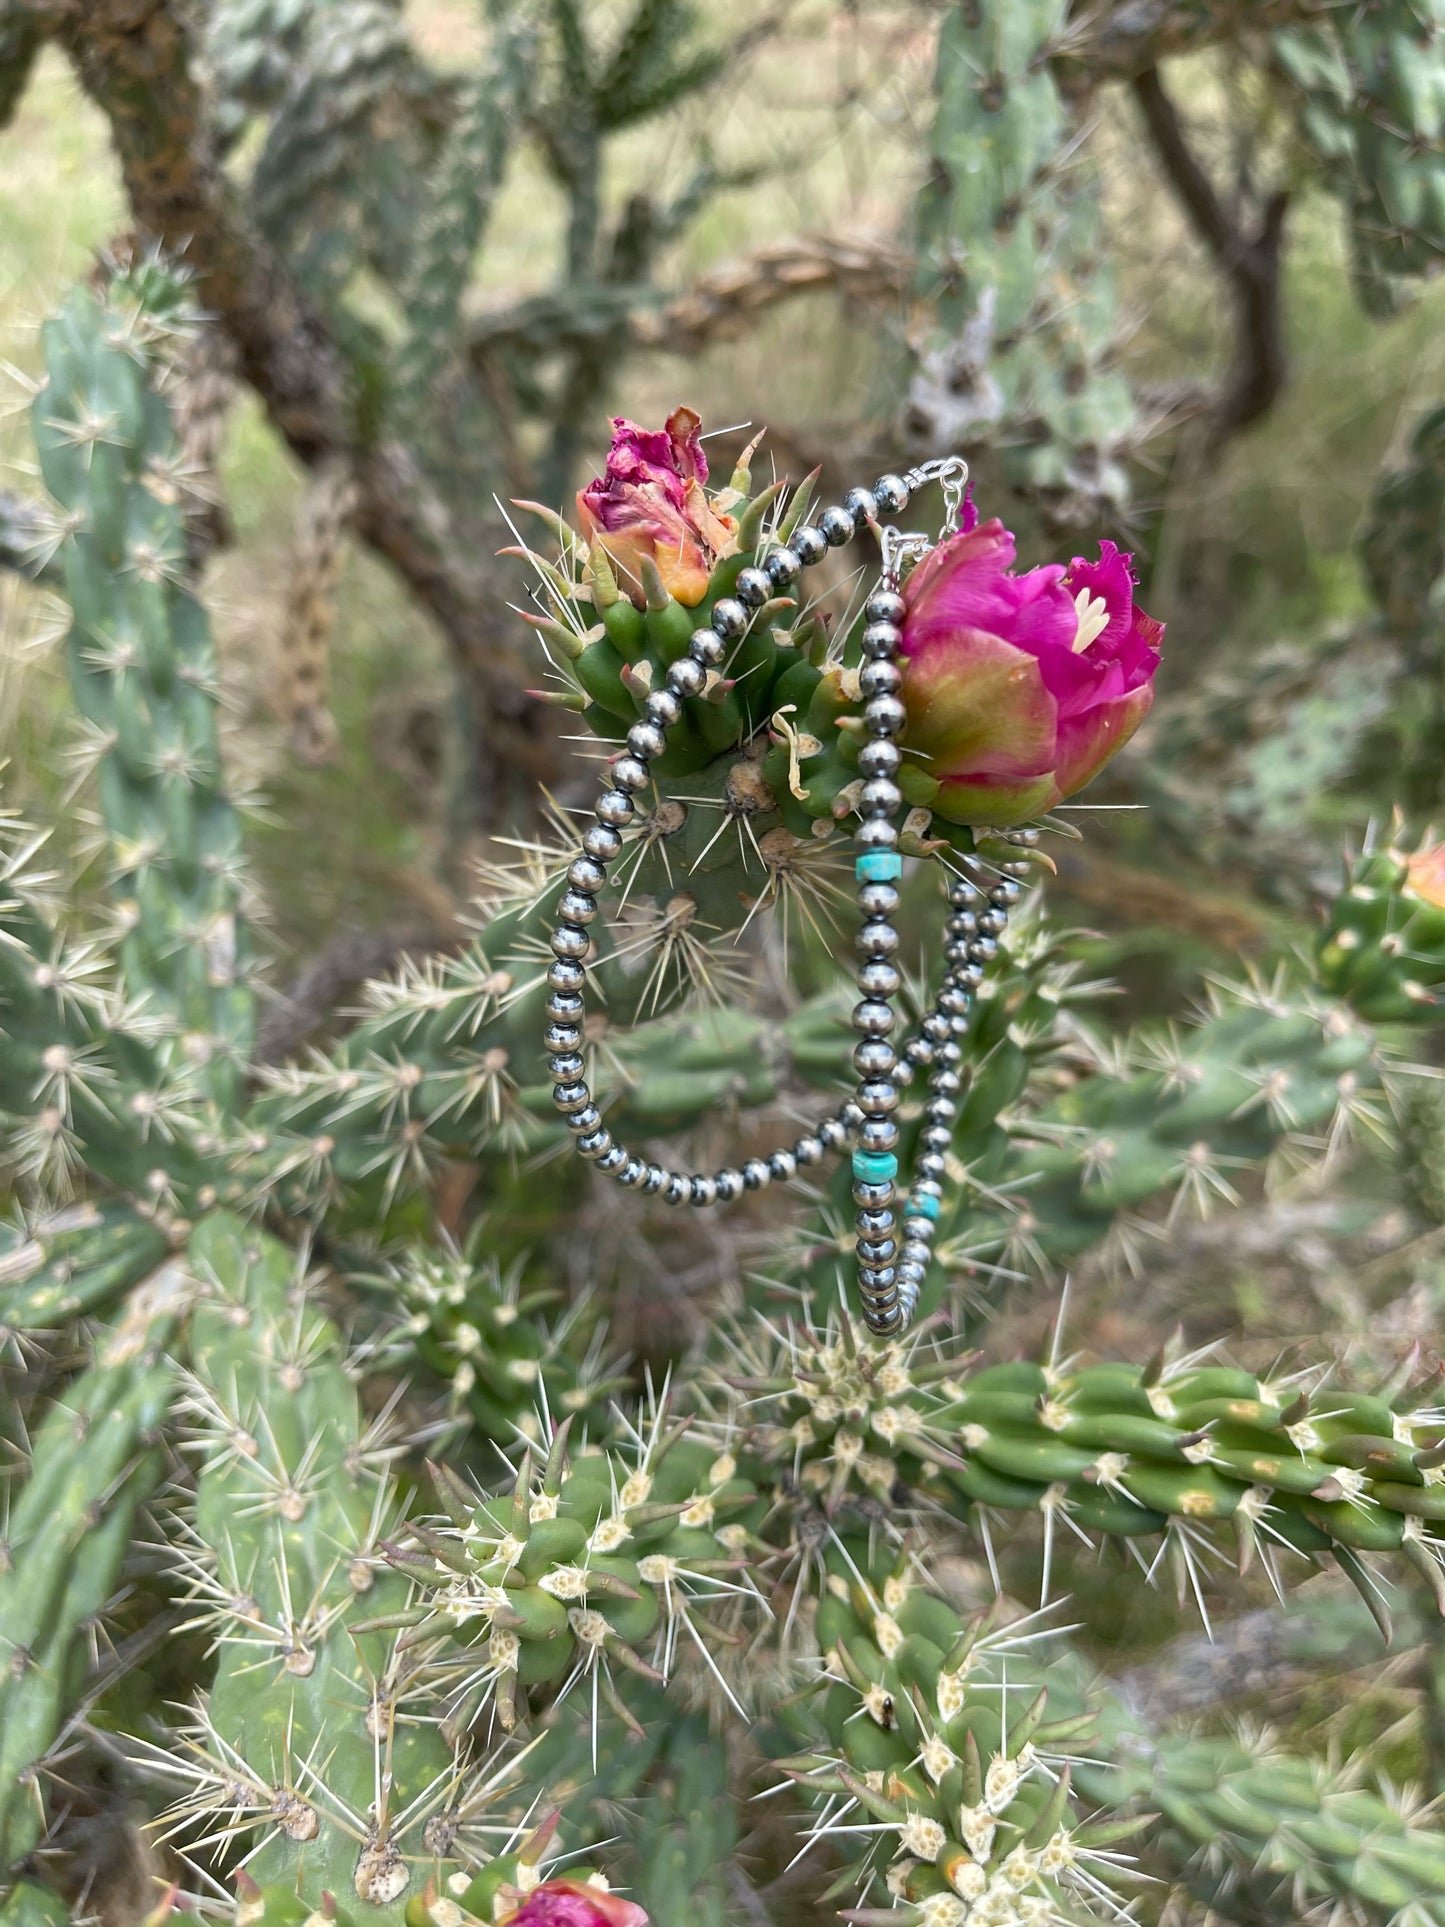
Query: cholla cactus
[[389, 1673]]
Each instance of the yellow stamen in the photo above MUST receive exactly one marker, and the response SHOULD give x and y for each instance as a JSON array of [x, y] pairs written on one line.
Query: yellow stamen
[[1093, 617]]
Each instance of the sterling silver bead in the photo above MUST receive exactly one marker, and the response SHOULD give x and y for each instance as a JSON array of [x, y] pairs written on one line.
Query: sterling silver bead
[[584, 1122], [993, 922], [704, 1189], [783, 1166], [885, 605], [594, 1146], [881, 796], [880, 640], [729, 1184], [874, 1057], [685, 676], [879, 1097], [601, 842], [561, 1037], [663, 709], [879, 757], [809, 544], [808, 1149], [782, 567], [832, 1134], [891, 494], [631, 1173], [861, 506], [566, 974], [878, 978], [729, 618], [877, 938], [646, 740], [873, 1197], [878, 899], [873, 1016], [884, 716], [876, 834], [567, 941], [836, 527], [678, 1189], [752, 588], [565, 1007], [631, 773], [983, 950], [707, 647], [577, 906], [612, 1160], [587, 874], [571, 1097], [879, 677], [653, 1180], [614, 807], [878, 1134], [931, 1165], [1005, 893], [756, 1174]]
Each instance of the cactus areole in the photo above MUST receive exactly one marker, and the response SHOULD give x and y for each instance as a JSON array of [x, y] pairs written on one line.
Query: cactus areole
[[965, 692]]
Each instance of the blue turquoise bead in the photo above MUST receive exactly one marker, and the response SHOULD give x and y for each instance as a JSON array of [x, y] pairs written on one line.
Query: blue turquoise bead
[[879, 866], [874, 1167], [924, 1207]]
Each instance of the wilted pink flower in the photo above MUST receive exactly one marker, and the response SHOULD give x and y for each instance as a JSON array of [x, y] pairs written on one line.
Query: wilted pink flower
[[1425, 875], [574, 1903], [1019, 688], [652, 502]]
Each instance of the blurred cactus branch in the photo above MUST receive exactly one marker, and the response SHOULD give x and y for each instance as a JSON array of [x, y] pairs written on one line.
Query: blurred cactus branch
[[27, 539], [714, 307], [1121, 42], [134, 59], [1248, 258]]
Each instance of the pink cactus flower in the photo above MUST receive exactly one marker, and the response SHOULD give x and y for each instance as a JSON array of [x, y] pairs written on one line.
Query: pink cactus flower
[[1019, 688], [652, 503], [574, 1903]]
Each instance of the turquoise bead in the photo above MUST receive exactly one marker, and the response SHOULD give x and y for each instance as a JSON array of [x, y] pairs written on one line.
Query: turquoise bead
[[924, 1207], [879, 866], [874, 1167]]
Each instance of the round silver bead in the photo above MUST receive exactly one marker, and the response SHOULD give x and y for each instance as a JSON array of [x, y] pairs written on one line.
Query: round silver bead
[[884, 716], [875, 833], [594, 1146], [836, 526], [685, 676], [782, 567], [879, 677], [566, 974], [950, 1051], [874, 1252], [878, 1134], [808, 544], [919, 1051], [878, 899], [565, 1007], [662, 709], [873, 1197], [982, 950], [954, 1000], [783, 1165], [946, 1082], [752, 588], [1004, 894], [861, 506], [874, 1057], [832, 1134], [728, 1184], [1017, 869], [561, 1037], [601, 842], [577, 906], [931, 1166], [612, 1160], [890, 492], [962, 894], [955, 951], [879, 757], [646, 740], [678, 1189], [614, 807], [707, 647], [903, 1074], [880, 640], [935, 1137], [873, 1017], [585, 1121], [993, 923], [910, 1282], [566, 1066], [756, 1174], [940, 1110], [875, 1223], [849, 1115], [878, 978], [881, 796], [704, 1189], [935, 1026], [885, 605], [729, 618], [571, 1097], [963, 923], [653, 1179], [631, 773], [808, 1149], [567, 941], [631, 1173], [1025, 839], [585, 873], [971, 972], [879, 1097], [877, 938], [915, 1248]]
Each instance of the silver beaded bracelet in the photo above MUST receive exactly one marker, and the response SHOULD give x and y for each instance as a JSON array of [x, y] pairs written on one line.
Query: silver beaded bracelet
[[890, 1274]]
